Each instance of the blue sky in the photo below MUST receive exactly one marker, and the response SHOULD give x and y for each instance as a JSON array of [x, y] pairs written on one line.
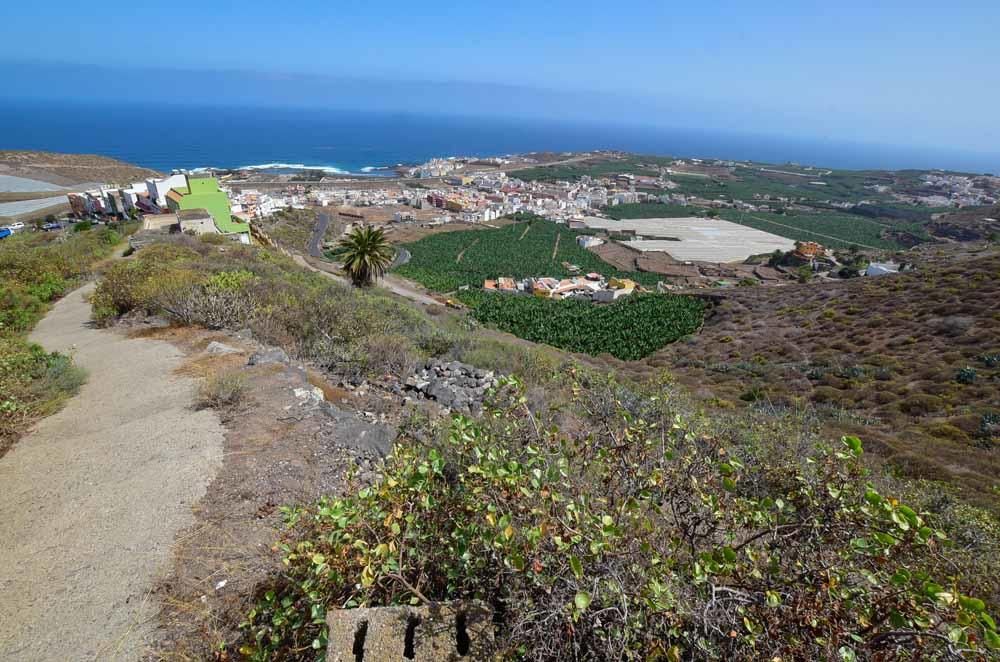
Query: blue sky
[[910, 73]]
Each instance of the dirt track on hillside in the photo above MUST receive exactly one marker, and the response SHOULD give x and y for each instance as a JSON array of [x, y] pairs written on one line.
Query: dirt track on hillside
[[91, 500]]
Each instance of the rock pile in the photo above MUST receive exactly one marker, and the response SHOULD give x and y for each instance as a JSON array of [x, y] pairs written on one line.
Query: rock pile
[[454, 385]]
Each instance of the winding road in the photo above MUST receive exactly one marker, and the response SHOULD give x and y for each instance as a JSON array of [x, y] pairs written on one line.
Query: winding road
[[93, 498]]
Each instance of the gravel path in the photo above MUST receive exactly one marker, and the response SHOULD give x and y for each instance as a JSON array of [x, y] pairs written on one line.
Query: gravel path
[[91, 500]]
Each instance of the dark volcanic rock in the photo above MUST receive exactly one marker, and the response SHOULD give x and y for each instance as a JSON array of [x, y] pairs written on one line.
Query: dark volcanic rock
[[452, 384]]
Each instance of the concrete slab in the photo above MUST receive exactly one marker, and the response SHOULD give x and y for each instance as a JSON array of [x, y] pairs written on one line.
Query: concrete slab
[[12, 184], [16, 209]]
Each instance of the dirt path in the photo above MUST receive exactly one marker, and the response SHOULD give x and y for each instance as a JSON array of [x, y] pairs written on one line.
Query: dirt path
[[91, 500], [462, 253], [392, 283]]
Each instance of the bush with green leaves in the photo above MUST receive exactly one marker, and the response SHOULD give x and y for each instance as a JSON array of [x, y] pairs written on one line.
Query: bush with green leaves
[[966, 375], [634, 533], [349, 331]]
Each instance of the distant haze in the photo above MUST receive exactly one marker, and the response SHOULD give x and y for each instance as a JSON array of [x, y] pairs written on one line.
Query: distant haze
[[909, 73]]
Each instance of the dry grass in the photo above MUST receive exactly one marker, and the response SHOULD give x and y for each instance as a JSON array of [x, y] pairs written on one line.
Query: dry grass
[[883, 353]]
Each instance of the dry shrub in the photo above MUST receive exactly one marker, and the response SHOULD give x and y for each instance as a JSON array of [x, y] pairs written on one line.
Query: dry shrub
[[222, 391], [921, 404], [946, 431]]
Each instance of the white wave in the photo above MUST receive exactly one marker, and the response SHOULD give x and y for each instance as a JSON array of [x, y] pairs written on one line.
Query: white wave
[[293, 166]]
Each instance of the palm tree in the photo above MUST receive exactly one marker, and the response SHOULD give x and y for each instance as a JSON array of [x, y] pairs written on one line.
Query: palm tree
[[366, 254]]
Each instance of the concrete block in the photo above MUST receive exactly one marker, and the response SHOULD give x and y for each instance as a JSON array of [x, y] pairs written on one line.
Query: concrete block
[[447, 632]]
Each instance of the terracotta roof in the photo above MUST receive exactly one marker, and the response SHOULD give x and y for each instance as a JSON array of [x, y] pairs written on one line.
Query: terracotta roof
[[175, 195]]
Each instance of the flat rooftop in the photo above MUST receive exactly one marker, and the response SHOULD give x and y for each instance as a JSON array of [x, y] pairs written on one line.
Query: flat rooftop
[[696, 238]]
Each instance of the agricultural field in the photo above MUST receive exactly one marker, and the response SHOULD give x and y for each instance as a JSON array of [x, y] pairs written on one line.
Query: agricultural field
[[837, 229], [629, 329], [444, 262], [651, 210], [847, 186], [597, 167], [833, 229]]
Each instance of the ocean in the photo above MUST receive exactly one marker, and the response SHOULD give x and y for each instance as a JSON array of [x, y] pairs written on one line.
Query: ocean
[[165, 137]]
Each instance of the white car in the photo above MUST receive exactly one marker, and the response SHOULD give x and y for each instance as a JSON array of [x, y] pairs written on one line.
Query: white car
[[15, 227]]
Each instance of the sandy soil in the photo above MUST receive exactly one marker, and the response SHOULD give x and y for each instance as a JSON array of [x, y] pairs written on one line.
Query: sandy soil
[[91, 500]]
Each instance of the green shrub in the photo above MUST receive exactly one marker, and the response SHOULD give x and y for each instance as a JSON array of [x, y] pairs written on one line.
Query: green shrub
[[989, 425], [356, 333], [637, 537], [966, 375], [33, 383]]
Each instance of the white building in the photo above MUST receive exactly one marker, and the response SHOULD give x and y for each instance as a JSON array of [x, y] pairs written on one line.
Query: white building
[[158, 188], [588, 242]]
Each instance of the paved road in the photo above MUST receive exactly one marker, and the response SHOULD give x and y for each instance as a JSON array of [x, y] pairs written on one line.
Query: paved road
[[319, 231], [92, 499]]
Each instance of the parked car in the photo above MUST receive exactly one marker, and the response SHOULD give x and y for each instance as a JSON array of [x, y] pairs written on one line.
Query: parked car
[[15, 227], [4, 233], [49, 227]]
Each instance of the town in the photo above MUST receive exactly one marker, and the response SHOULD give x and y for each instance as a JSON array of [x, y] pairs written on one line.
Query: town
[[695, 222]]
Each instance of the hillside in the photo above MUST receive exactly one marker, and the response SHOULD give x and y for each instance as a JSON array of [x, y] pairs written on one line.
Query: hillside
[[972, 224], [70, 169], [910, 361]]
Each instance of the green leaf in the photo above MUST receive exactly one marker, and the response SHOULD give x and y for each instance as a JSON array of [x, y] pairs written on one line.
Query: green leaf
[[854, 444], [582, 600], [974, 605], [900, 520], [576, 567]]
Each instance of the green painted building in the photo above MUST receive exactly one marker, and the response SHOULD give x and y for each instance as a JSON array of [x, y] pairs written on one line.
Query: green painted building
[[204, 193]]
